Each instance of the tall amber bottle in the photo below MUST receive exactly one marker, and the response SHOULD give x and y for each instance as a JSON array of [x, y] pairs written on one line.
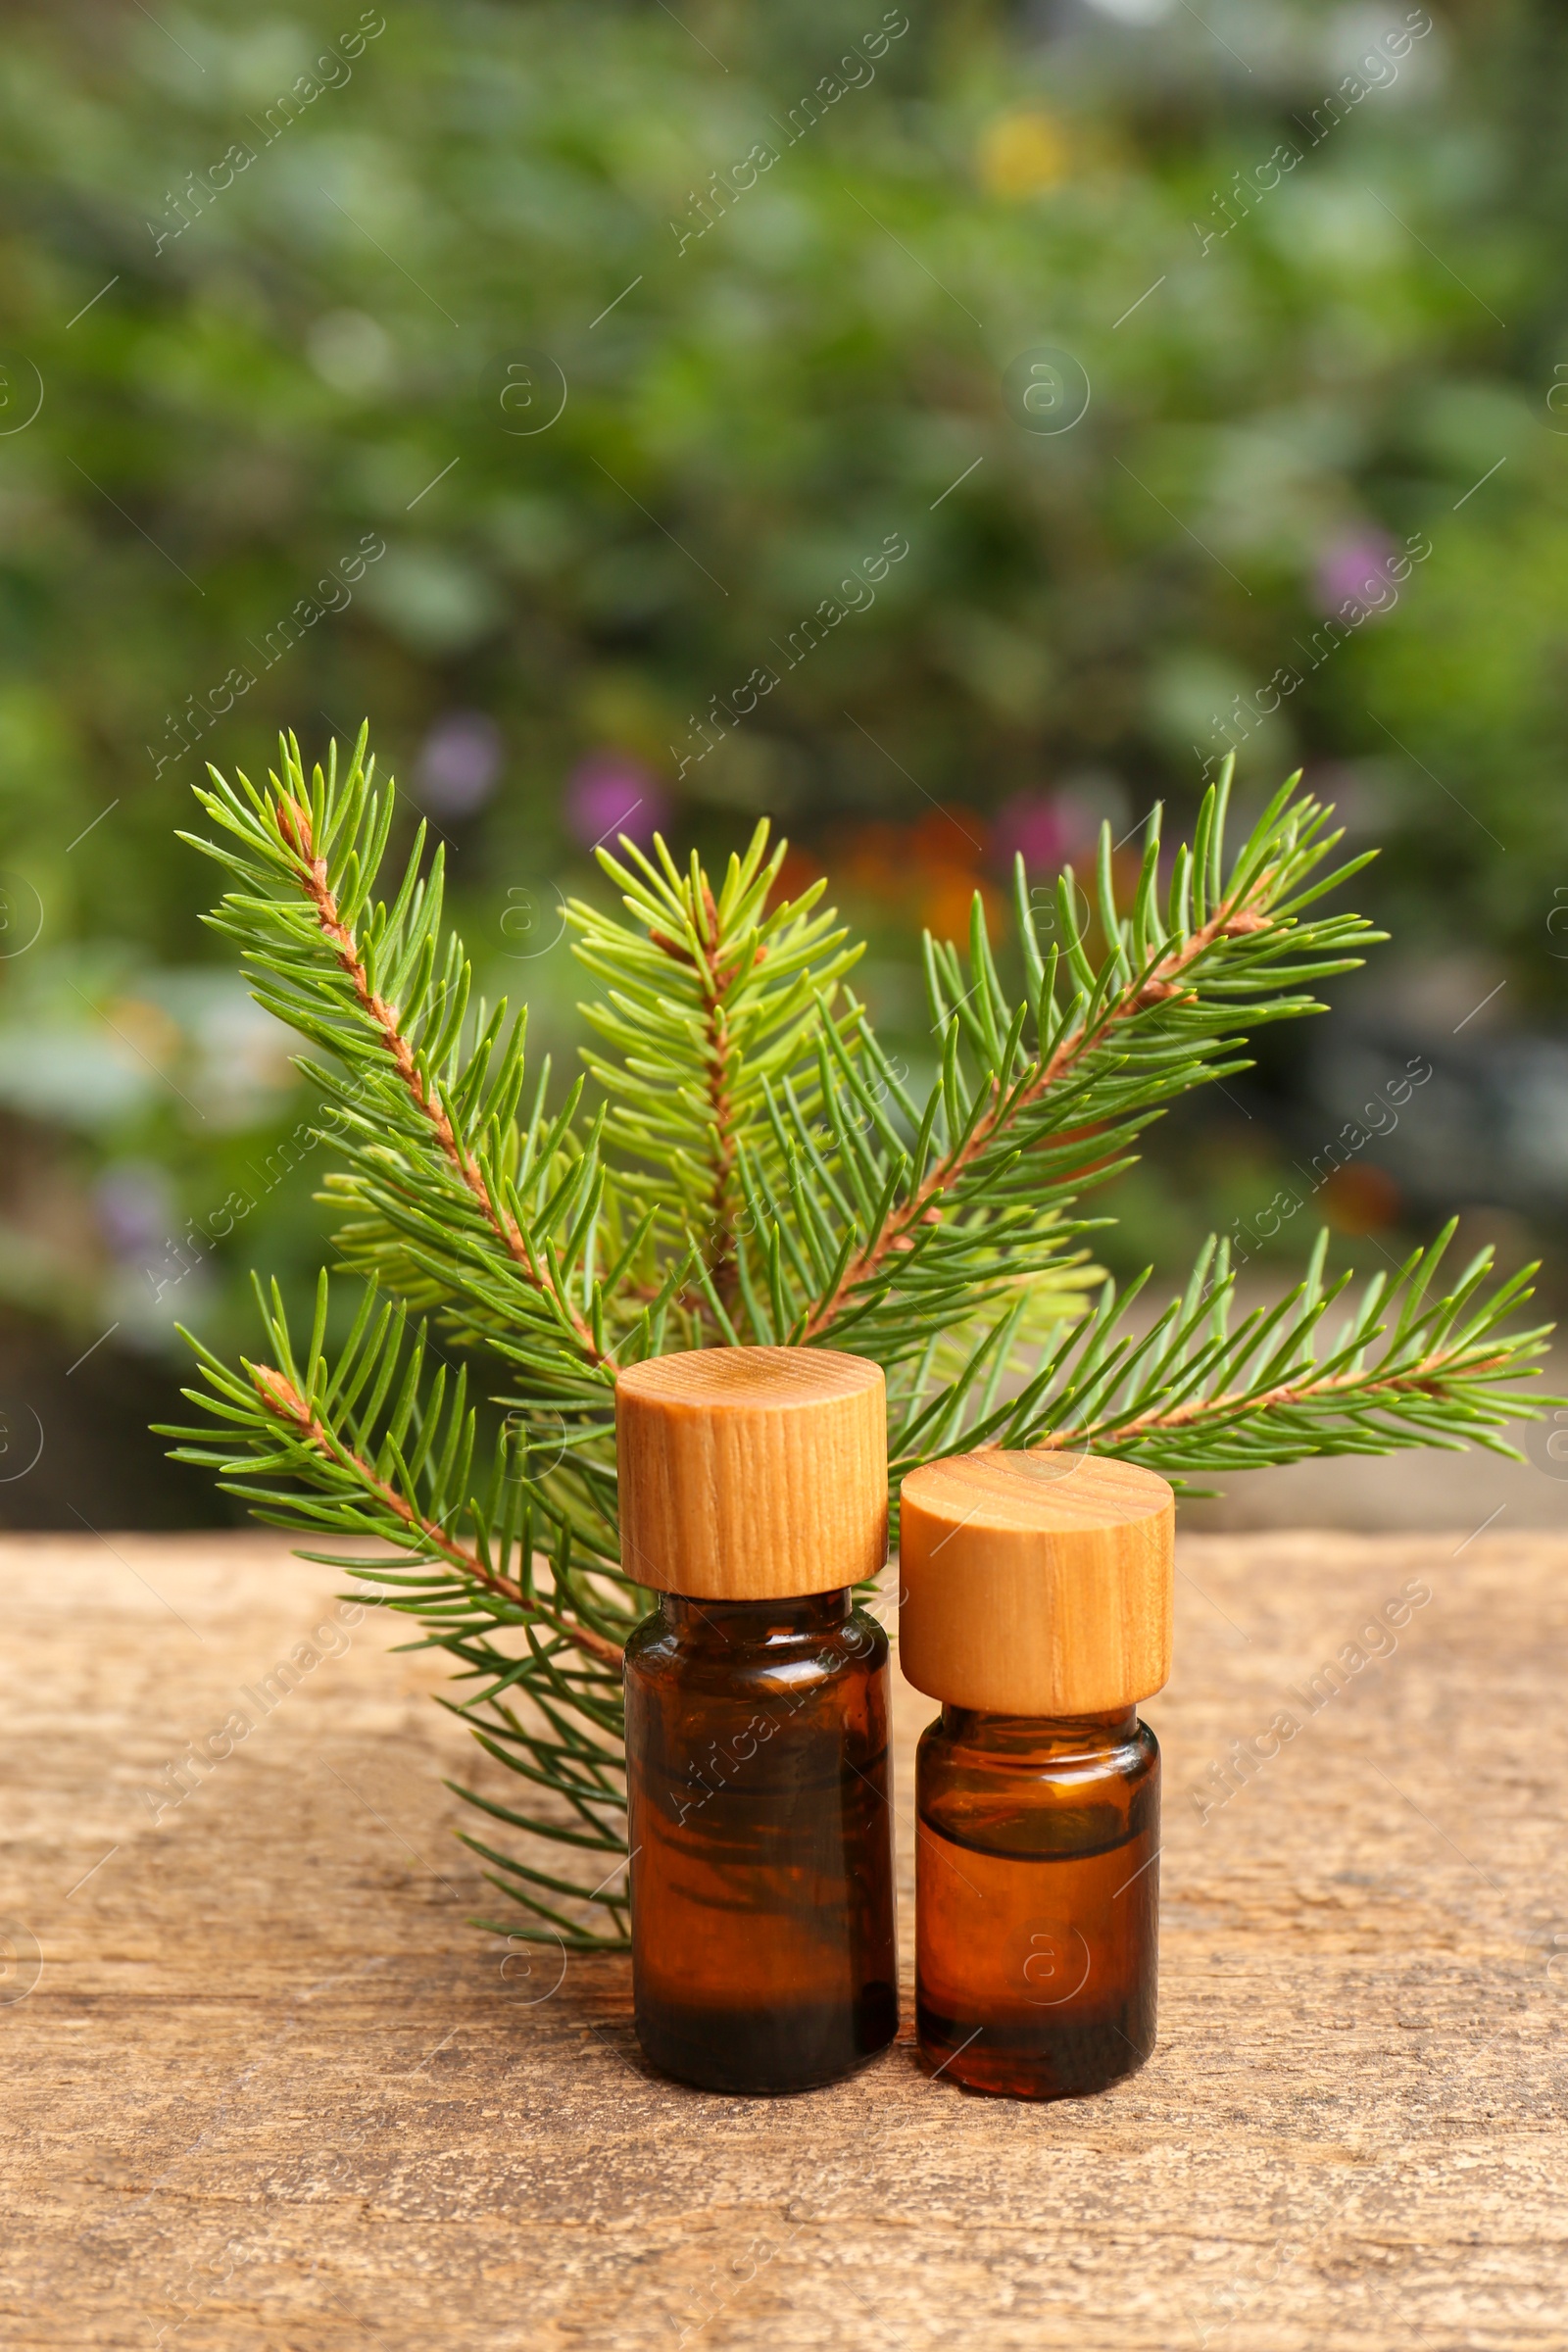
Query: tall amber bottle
[[753, 1495], [1037, 1606]]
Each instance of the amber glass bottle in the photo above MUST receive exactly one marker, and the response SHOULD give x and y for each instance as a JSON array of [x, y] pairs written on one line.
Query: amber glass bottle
[[1037, 1604], [753, 1493]]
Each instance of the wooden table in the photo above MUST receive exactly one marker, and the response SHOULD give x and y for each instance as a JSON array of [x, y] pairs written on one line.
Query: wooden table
[[270, 2088]]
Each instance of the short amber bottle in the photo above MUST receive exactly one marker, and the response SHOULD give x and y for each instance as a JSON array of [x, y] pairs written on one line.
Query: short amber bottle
[[1037, 1605], [753, 1495]]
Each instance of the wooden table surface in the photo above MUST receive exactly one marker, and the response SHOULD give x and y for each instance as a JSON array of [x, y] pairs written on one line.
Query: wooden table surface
[[265, 2087]]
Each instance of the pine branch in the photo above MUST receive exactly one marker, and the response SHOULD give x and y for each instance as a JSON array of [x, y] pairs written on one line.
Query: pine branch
[[293, 820], [757, 1170], [289, 1409], [294, 1423], [454, 1203], [1407, 1368], [709, 999], [1166, 976], [376, 1447], [925, 1211]]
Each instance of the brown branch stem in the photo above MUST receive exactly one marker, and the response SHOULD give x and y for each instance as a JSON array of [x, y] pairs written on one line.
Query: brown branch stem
[[1155, 986], [1422, 1376], [294, 828], [285, 1399], [714, 981]]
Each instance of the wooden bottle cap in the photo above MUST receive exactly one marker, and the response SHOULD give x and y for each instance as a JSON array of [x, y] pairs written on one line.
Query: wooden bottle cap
[[1036, 1584], [752, 1473]]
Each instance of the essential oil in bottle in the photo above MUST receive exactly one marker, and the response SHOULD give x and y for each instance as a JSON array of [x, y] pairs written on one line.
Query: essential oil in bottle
[[753, 1496], [1036, 1605]]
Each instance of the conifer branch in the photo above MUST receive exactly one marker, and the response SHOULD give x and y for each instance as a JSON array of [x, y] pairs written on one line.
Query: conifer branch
[[453, 1204], [719, 1059], [1157, 984], [935, 1210], [290, 1407], [293, 820], [1409, 1367], [710, 998], [758, 1169]]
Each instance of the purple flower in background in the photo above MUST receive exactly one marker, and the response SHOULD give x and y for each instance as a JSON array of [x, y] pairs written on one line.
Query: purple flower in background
[[1355, 568], [459, 762], [1035, 825], [610, 793], [136, 1208]]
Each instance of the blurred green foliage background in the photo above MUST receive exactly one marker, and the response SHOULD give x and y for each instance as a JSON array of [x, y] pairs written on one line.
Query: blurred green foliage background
[[541, 380]]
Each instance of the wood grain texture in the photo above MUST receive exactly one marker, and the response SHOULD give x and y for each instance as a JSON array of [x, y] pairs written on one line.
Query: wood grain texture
[[1036, 1584], [753, 1473], [270, 2091]]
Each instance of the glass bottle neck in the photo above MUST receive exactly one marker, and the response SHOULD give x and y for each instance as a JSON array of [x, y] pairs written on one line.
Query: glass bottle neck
[[744, 1623], [1031, 1735]]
